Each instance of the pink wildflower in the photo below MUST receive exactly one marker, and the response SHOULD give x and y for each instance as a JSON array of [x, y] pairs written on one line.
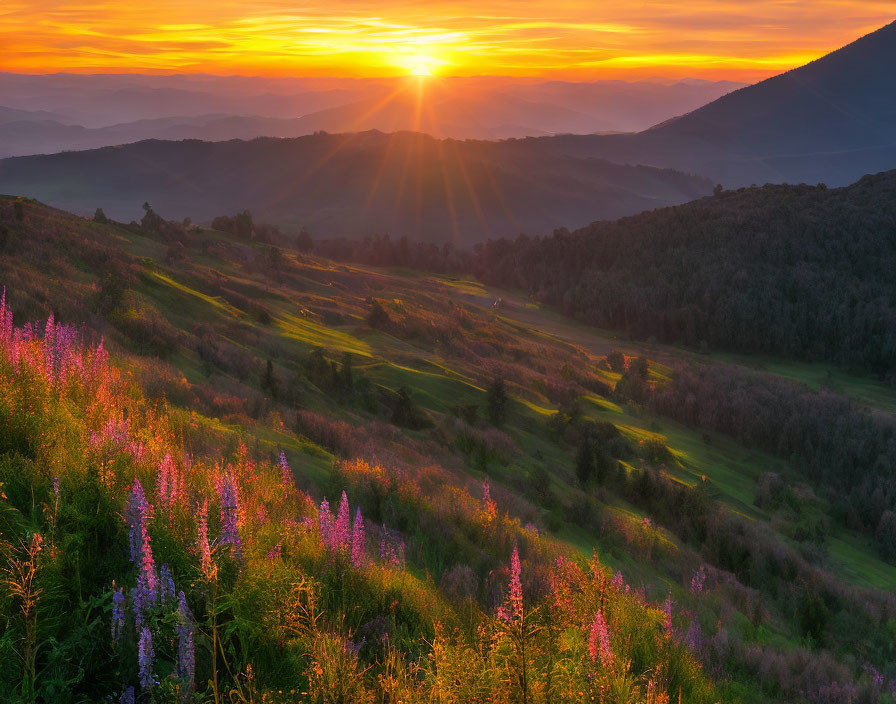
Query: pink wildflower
[[599, 642], [358, 539]]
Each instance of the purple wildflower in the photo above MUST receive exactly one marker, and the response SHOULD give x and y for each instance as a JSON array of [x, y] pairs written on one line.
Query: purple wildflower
[[186, 656], [139, 606], [56, 487], [127, 696], [285, 472], [136, 516], [694, 637], [274, 552], [117, 614], [392, 548], [166, 584], [145, 655], [599, 642], [230, 534], [358, 539]]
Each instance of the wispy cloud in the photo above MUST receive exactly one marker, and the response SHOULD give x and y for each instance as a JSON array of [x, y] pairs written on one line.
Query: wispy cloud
[[565, 38]]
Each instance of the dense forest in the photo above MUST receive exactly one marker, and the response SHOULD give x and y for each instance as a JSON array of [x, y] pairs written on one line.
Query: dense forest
[[797, 271]]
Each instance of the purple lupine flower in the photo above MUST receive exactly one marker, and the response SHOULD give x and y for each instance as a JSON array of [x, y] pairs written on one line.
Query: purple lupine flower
[[117, 614], [186, 656], [48, 348], [230, 534], [694, 637], [166, 584], [127, 696], [358, 539], [285, 472], [145, 655], [514, 610], [354, 648], [341, 538], [136, 515], [56, 487], [667, 611], [139, 606], [599, 642], [326, 522], [698, 580]]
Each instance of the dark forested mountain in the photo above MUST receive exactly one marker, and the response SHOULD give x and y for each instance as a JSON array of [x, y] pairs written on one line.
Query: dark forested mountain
[[790, 270], [833, 121], [406, 184]]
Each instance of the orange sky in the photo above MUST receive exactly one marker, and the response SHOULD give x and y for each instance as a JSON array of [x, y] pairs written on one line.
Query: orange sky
[[568, 39]]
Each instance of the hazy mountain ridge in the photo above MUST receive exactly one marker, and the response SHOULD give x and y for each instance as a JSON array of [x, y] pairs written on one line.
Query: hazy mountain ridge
[[121, 109], [404, 184]]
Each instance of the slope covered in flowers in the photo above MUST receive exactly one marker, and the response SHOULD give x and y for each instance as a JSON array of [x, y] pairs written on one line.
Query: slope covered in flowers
[[164, 576], [336, 466]]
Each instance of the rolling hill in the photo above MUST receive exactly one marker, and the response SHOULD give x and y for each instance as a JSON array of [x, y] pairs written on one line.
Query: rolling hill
[[461, 431], [404, 184]]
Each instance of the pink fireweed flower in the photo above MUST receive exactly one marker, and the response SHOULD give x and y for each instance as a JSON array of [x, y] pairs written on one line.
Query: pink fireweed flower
[[358, 539], [5, 319], [698, 580], [341, 537], [205, 553], [599, 642], [286, 472], [147, 580], [274, 552], [667, 614], [489, 506], [618, 582], [169, 482], [513, 611]]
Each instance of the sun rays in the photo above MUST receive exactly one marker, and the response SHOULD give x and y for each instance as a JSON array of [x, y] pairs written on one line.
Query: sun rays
[[567, 38]]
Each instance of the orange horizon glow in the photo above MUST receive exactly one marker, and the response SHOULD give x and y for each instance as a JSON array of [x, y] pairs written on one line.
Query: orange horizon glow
[[566, 39]]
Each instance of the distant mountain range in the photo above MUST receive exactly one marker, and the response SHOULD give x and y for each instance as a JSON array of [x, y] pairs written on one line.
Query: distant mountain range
[[404, 184], [46, 114], [833, 121]]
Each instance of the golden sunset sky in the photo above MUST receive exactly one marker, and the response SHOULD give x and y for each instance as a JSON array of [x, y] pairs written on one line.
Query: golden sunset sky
[[563, 39]]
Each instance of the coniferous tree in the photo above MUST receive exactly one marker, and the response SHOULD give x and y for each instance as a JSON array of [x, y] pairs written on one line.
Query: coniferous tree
[[496, 405]]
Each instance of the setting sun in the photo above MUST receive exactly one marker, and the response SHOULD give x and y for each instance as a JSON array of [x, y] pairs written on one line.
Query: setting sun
[[421, 65]]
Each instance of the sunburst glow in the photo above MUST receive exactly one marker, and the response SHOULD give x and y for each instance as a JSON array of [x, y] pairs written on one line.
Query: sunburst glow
[[566, 39]]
